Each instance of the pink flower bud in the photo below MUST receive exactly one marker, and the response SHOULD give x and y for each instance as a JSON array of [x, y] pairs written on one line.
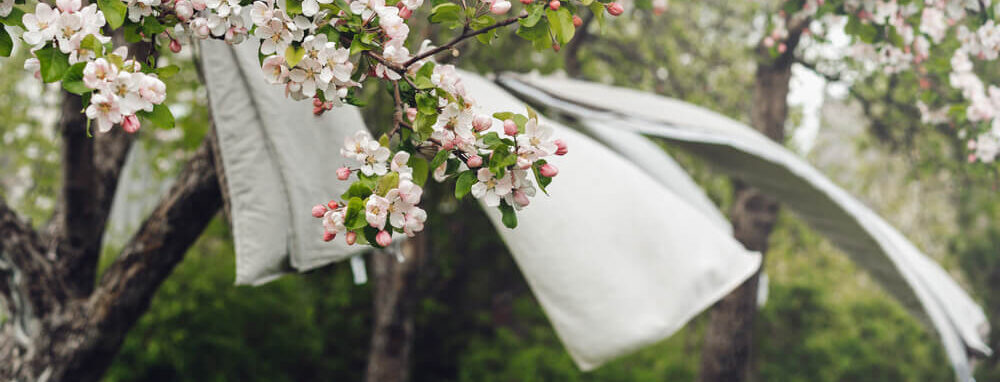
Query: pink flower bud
[[447, 145], [615, 9], [343, 173], [561, 148], [175, 46], [768, 41], [509, 127], [411, 113], [554, 5], [971, 144], [482, 122], [555, 47], [318, 110], [972, 158], [500, 7], [526, 2], [332, 204], [577, 21], [327, 236], [383, 238], [521, 198], [130, 124], [474, 161], [351, 237], [318, 211], [782, 48], [548, 170], [405, 13], [317, 102]]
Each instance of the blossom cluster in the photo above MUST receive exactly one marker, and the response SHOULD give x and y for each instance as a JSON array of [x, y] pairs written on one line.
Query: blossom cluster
[[117, 85], [899, 35], [200, 19], [121, 90]]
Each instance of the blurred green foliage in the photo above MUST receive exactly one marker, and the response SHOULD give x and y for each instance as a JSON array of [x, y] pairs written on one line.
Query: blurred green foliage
[[477, 320]]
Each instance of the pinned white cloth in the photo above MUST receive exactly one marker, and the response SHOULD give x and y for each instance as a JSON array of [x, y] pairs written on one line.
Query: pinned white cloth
[[279, 160], [921, 285], [617, 260]]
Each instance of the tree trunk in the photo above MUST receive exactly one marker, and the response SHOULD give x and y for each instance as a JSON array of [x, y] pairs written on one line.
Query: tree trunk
[[726, 353], [56, 336], [396, 294]]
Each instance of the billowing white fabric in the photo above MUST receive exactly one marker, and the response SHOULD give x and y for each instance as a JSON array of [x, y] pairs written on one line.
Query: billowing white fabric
[[279, 160], [616, 260], [916, 281]]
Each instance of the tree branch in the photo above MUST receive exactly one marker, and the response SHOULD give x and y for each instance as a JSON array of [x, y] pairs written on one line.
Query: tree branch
[[127, 287], [21, 246]]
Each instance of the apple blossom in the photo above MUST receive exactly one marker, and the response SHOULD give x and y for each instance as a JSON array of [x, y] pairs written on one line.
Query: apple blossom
[[383, 238], [130, 124], [489, 188], [509, 127], [474, 161], [548, 170], [615, 9]]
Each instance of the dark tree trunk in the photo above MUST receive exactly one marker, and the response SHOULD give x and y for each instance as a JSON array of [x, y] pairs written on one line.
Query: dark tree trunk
[[58, 332], [726, 353], [396, 294]]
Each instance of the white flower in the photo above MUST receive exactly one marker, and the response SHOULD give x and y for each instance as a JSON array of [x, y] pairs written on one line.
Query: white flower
[[137, 9], [413, 4], [521, 184], [99, 73], [275, 70], [274, 36], [454, 125], [5, 7], [311, 7], [40, 26], [376, 210], [125, 86], [261, 12], [399, 165], [489, 188], [415, 219], [394, 52], [368, 151], [536, 142], [305, 77], [335, 64], [447, 78], [355, 146], [152, 90], [401, 201], [104, 110], [933, 23], [333, 221]]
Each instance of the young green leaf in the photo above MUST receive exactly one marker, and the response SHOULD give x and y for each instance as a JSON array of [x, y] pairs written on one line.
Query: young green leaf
[[439, 159], [293, 55], [114, 12], [561, 22], [542, 180], [53, 63], [354, 218], [419, 166], [72, 80], [357, 190], [13, 18], [464, 183], [6, 43], [509, 218], [386, 183], [426, 104], [447, 14], [160, 116]]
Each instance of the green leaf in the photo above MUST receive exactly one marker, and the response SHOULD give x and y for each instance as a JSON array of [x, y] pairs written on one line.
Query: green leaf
[[53, 63], [447, 14], [420, 169], [160, 116], [598, 10], [294, 54], [535, 13], [357, 190], [92, 44], [501, 159], [151, 26], [424, 125], [293, 7], [72, 80], [427, 104], [561, 22], [369, 233], [354, 218], [464, 183], [509, 218], [114, 12], [132, 33], [167, 71], [483, 22], [538, 34], [386, 183], [6, 43], [503, 116], [423, 80], [13, 18], [439, 159]]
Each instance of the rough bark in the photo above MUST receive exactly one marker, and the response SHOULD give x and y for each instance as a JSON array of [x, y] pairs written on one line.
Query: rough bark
[[726, 354], [396, 294], [76, 338]]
